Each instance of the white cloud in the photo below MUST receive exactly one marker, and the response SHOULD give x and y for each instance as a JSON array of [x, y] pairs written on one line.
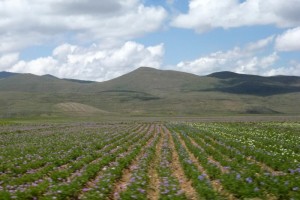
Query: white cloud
[[204, 15], [8, 60], [29, 22], [93, 63], [256, 65], [289, 40], [12, 42], [293, 70], [252, 59], [260, 44]]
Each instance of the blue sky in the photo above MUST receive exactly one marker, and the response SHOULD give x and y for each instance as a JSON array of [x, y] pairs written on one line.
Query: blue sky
[[100, 40]]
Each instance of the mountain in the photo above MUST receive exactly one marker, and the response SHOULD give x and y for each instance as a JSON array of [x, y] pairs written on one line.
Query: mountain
[[6, 74], [246, 77], [256, 85], [157, 82], [33, 83], [149, 92]]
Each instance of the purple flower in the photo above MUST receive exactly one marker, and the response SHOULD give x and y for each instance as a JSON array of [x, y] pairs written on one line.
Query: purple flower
[[238, 176], [85, 189], [201, 177], [249, 180], [189, 161], [292, 171], [179, 192], [141, 190], [286, 183]]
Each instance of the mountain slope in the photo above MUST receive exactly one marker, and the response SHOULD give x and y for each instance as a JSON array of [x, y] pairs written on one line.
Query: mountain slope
[[235, 78], [256, 85], [148, 79], [6, 74], [150, 92], [33, 83]]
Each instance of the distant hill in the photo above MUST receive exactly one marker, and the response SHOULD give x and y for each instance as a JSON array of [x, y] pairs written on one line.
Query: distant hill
[[149, 92], [235, 77], [256, 85], [153, 80], [6, 74], [33, 83]]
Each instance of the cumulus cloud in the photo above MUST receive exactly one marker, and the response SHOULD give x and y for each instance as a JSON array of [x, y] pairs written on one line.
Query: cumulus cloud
[[252, 59], [29, 22], [260, 44], [7, 60], [93, 62], [293, 70], [204, 15], [289, 40]]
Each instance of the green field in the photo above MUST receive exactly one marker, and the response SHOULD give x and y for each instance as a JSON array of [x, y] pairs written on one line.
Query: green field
[[150, 160]]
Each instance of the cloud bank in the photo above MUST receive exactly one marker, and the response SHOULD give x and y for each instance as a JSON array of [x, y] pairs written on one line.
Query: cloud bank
[[93, 62], [94, 40], [204, 15], [289, 40], [250, 59], [32, 22]]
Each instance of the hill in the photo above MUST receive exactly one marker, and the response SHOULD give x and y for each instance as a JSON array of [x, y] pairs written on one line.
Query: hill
[[6, 74], [149, 79], [149, 92], [256, 85]]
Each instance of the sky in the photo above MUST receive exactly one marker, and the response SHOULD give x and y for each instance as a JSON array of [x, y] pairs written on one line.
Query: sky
[[103, 39]]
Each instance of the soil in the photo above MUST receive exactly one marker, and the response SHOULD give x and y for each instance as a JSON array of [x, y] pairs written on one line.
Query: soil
[[215, 183], [153, 191], [185, 184]]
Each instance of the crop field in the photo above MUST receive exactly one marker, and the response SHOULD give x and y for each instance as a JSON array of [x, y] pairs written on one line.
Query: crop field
[[135, 160]]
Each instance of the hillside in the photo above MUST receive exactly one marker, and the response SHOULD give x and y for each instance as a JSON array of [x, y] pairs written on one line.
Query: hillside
[[6, 74], [149, 92], [256, 85], [149, 79]]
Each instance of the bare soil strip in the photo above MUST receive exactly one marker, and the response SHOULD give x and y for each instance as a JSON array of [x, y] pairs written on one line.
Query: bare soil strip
[[249, 158], [197, 145], [267, 168], [65, 166], [215, 183], [121, 185], [153, 191], [92, 183], [223, 169], [185, 184], [74, 174], [210, 158]]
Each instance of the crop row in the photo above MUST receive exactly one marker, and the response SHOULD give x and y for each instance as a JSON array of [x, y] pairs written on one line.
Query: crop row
[[89, 151], [156, 161], [238, 173]]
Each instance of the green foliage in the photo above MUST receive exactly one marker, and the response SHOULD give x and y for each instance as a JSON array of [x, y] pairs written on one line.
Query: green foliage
[[88, 160]]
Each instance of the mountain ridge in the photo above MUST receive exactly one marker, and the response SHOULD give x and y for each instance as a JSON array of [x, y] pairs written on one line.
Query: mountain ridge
[[150, 92], [219, 74]]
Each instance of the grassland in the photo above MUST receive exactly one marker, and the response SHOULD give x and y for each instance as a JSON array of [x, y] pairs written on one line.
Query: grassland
[[150, 92], [149, 159]]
